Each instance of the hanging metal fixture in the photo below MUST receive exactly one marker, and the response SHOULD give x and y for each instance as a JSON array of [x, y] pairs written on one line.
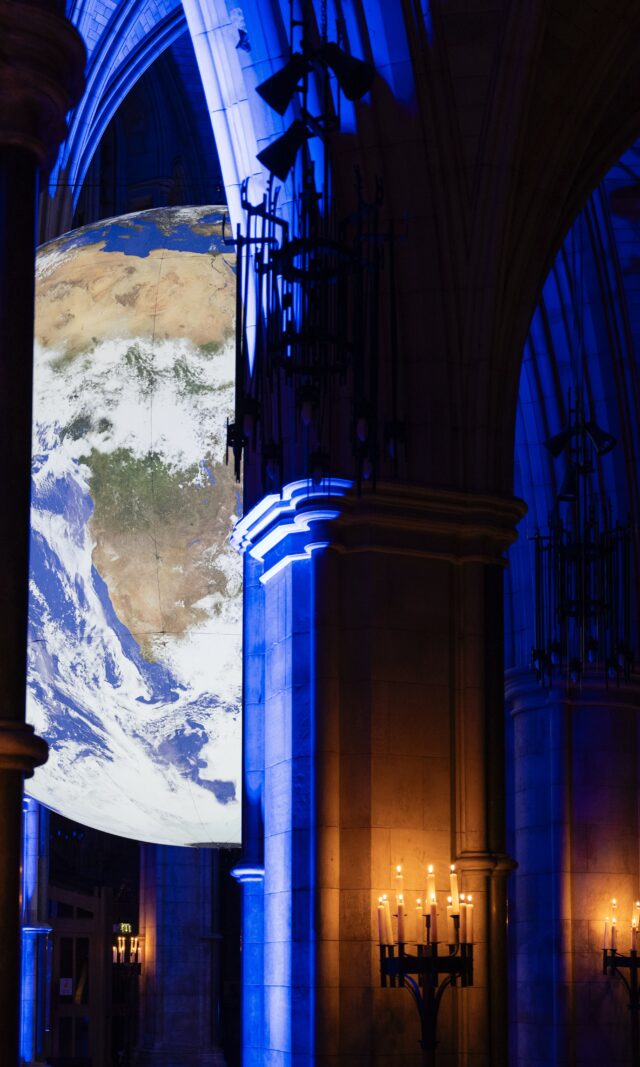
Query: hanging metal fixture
[[309, 295], [582, 569]]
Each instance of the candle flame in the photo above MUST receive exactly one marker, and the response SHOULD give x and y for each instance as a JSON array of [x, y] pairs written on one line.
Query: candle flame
[[462, 896], [418, 902], [433, 898], [453, 867], [399, 868], [449, 900], [614, 902], [469, 898], [430, 871]]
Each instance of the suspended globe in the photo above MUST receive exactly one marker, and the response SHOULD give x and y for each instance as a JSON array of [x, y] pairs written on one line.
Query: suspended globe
[[134, 674]]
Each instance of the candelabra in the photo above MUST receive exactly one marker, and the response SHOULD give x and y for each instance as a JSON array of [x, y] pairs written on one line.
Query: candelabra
[[614, 963], [436, 965], [126, 957]]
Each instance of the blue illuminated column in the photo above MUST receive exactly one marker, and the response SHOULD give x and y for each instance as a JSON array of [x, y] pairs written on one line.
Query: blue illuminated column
[[35, 944], [575, 828], [180, 980], [373, 736]]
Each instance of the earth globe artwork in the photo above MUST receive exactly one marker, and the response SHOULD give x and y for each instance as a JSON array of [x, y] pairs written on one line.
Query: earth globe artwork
[[134, 674]]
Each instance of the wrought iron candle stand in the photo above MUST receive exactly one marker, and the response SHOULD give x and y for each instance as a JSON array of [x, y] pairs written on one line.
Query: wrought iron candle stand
[[427, 988], [615, 963]]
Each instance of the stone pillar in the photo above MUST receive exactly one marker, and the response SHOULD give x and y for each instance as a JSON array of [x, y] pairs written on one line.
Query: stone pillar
[[575, 832], [41, 60], [378, 624], [180, 981], [35, 931]]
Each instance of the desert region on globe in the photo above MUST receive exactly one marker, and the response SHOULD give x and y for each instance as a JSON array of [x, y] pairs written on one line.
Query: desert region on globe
[[135, 593]]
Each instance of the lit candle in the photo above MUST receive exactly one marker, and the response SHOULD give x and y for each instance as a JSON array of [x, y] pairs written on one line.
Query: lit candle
[[388, 928], [469, 919], [433, 916], [451, 926], [419, 923], [115, 954], [455, 899], [399, 882], [463, 920], [605, 940], [382, 934], [614, 933], [634, 934], [431, 883], [401, 931]]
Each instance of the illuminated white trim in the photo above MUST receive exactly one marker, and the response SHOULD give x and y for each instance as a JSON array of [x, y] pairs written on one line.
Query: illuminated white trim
[[248, 872]]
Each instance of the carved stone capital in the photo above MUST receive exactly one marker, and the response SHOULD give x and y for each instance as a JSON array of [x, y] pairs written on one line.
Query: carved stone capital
[[437, 523], [20, 748], [404, 519], [42, 61]]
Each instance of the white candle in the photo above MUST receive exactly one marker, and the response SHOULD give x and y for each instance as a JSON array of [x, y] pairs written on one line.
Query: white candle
[[433, 918], [419, 923], [463, 920], [614, 933], [115, 954], [455, 899], [469, 919], [399, 882], [431, 883], [401, 931], [634, 935], [388, 928], [451, 926], [382, 934], [605, 940]]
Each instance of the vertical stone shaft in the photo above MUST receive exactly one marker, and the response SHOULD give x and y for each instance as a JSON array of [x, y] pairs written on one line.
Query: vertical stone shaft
[[575, 832], [180, 982], [40, 78], [17, 220], [382, 703]]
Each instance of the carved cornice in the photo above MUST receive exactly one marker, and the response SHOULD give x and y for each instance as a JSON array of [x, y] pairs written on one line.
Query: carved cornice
[[406, 520], [524, 693], [20, 748], [436, 523], [42, 60]]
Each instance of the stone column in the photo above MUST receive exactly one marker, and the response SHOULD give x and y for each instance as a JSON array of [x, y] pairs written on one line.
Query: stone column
[[35, 931], [381, 695], [180, 981], [576, 827], [41, 60]]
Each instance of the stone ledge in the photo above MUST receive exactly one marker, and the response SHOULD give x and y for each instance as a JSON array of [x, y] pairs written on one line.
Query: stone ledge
[[524, 693], [20, 748], [407, 520]]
